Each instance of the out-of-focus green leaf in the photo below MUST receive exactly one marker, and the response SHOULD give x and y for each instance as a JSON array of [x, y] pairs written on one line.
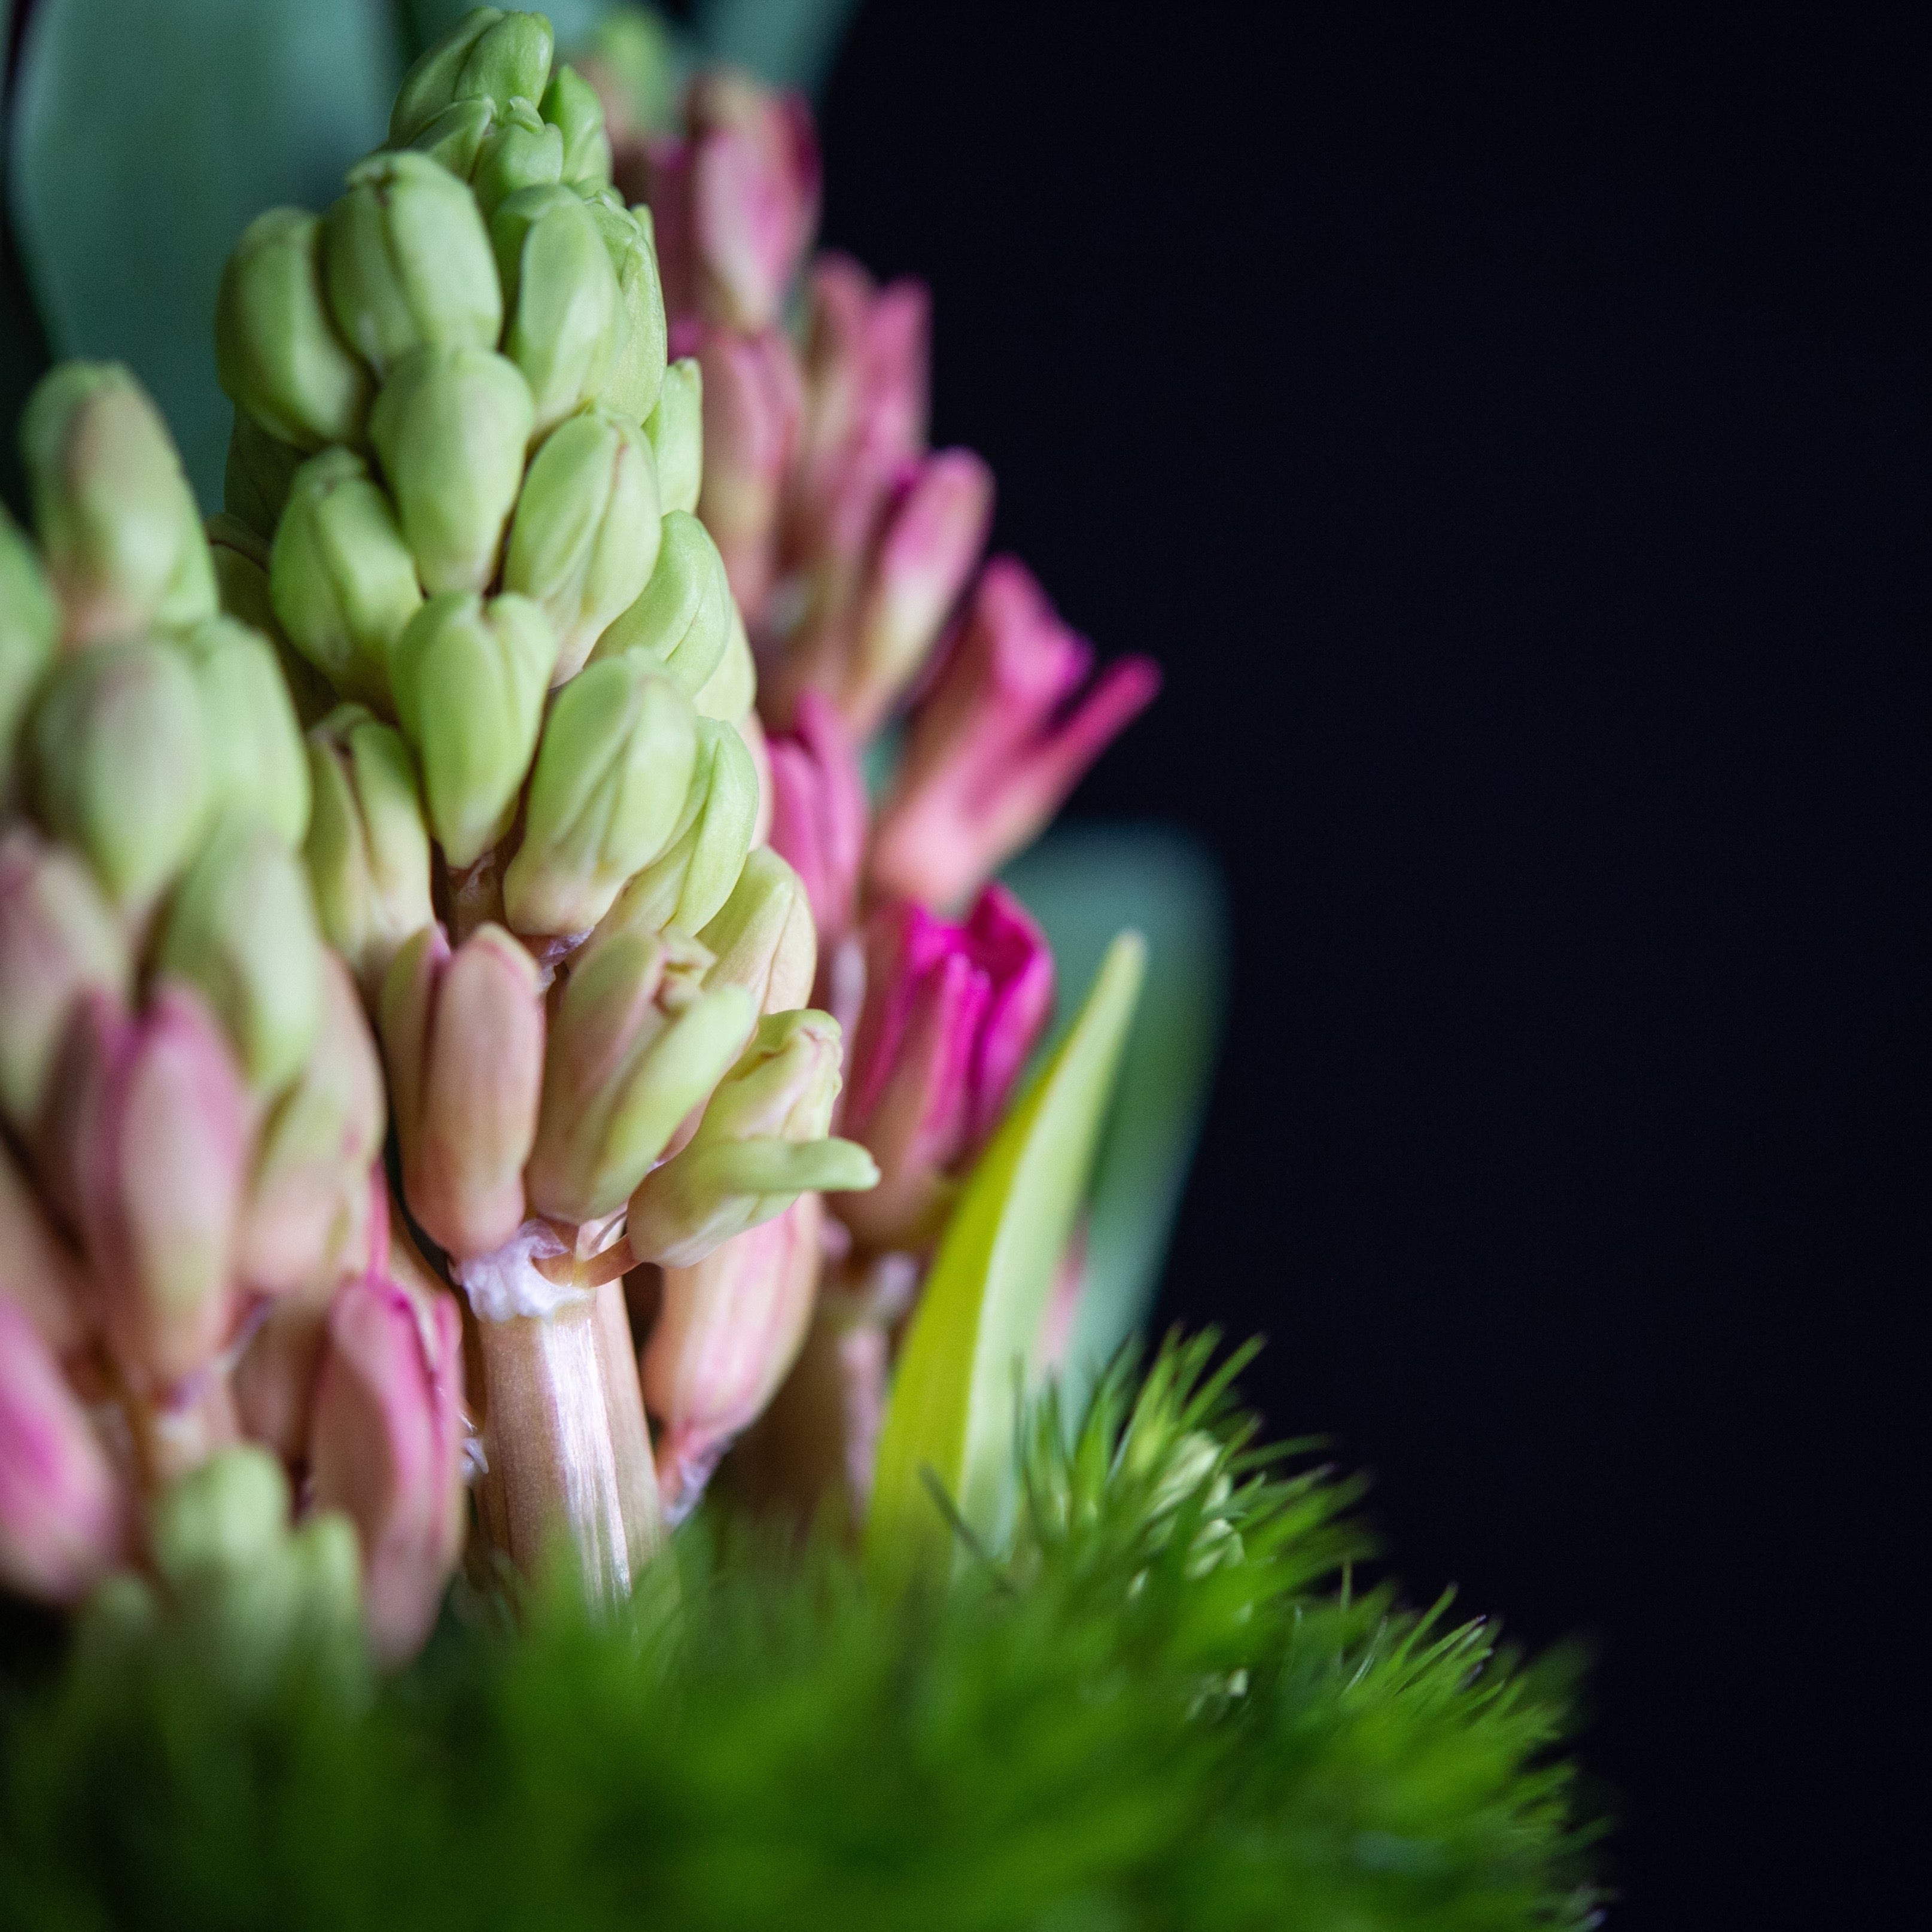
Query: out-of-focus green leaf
[[791, 42], [425, 21], [145, 136], [952, 1413], [1083, 882]]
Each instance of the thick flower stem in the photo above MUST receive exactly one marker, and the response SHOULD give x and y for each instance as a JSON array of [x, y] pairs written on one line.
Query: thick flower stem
[[566, 1446]]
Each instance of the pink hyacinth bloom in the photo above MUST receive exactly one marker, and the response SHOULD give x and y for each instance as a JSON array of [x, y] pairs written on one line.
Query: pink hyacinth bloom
[[385, 1448], [159, 1144], [751, 407], [819, 813], [951, 1013], [1004, 732], [62, 1514]]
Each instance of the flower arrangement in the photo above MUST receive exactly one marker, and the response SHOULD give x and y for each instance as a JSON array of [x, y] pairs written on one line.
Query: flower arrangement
[[507, 1013]]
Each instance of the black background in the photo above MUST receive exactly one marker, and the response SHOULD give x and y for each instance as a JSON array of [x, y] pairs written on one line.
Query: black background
[[1512, 444]]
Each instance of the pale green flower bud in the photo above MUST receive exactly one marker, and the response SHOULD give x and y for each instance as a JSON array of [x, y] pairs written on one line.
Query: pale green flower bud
[[681, 621], [763, 938], [450, 426], [407, 261], [340, 578], [277, 353], [761, 1144], [561, 298], [120, 766], [367, 852], [470, 679], [570, 103], [613, 774], [30, 625], [117, 523], [676, 427], [241, 576], [584, 539], [521, 151], [455, 138], [242, 930], [637, 368], [634, 1045], [489, 55], [688, 883], [260, 473], [253, 745], [730, 690]]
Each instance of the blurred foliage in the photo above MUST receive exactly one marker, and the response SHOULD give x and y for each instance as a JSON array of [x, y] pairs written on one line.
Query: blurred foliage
[[1156, 1709]]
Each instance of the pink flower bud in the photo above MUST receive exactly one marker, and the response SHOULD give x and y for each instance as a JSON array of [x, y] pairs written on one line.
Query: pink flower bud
[[752, 405], [385, 1448], [951, 1013], [62, 1517], [159, 1154], [728, 1330], [39, 1273], [1000, 738], [463, 1034], [819, 812]]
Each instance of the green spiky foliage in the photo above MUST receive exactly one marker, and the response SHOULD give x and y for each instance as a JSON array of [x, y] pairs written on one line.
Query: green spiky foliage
[[1161, 1706]]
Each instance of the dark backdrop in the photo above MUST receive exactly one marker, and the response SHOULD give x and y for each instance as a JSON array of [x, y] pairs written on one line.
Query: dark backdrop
[[1514, 445]]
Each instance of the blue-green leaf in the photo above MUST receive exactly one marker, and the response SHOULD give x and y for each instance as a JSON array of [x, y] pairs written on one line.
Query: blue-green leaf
[[1083, 882], [791, 42], [145, 137], [952, 1413]]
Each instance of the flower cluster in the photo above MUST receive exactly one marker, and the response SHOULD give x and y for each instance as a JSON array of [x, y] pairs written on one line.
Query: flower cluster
[[193, 1244]]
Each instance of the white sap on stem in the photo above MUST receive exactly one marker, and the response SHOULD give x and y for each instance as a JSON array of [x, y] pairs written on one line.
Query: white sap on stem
[[567, 1451]]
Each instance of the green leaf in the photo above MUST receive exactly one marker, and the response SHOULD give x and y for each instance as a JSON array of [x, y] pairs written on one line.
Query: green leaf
[[1082, 883], [952, 1411], [145, 137]]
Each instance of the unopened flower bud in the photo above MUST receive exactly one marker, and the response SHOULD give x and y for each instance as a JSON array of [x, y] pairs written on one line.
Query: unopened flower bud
[[260, 473], [274, 1380], [253, 746], [242, 930], [463, 1036], [608, 795], [368, 852], [584, 539], [570, 104], [762, 938], [951, 1013], [241, 575], [470, 678], [561, 294], [761, 1144], [159, 1155], [306, 1221], [636, 1043], [521, 152], [342, 580], [450, 426], [117, 522], [385, 1448], [277, 353], [59, 940], [682, 619], [63, 1516], [406, 262], [635, 380], [691, 879], [120, 765], [454, 139], [729, 693], [819, 811], [40, 1276], [676, 427], [751, 385], [728, 1332], [489, 55], [30, 625], [1000, 738]]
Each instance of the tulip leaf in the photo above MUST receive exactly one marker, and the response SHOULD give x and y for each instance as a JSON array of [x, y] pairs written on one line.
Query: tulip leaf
[[145, 137], [951, 1414], [1082, 882]]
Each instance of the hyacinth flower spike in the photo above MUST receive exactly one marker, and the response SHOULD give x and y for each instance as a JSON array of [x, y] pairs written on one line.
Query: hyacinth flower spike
[[1004, 732]]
